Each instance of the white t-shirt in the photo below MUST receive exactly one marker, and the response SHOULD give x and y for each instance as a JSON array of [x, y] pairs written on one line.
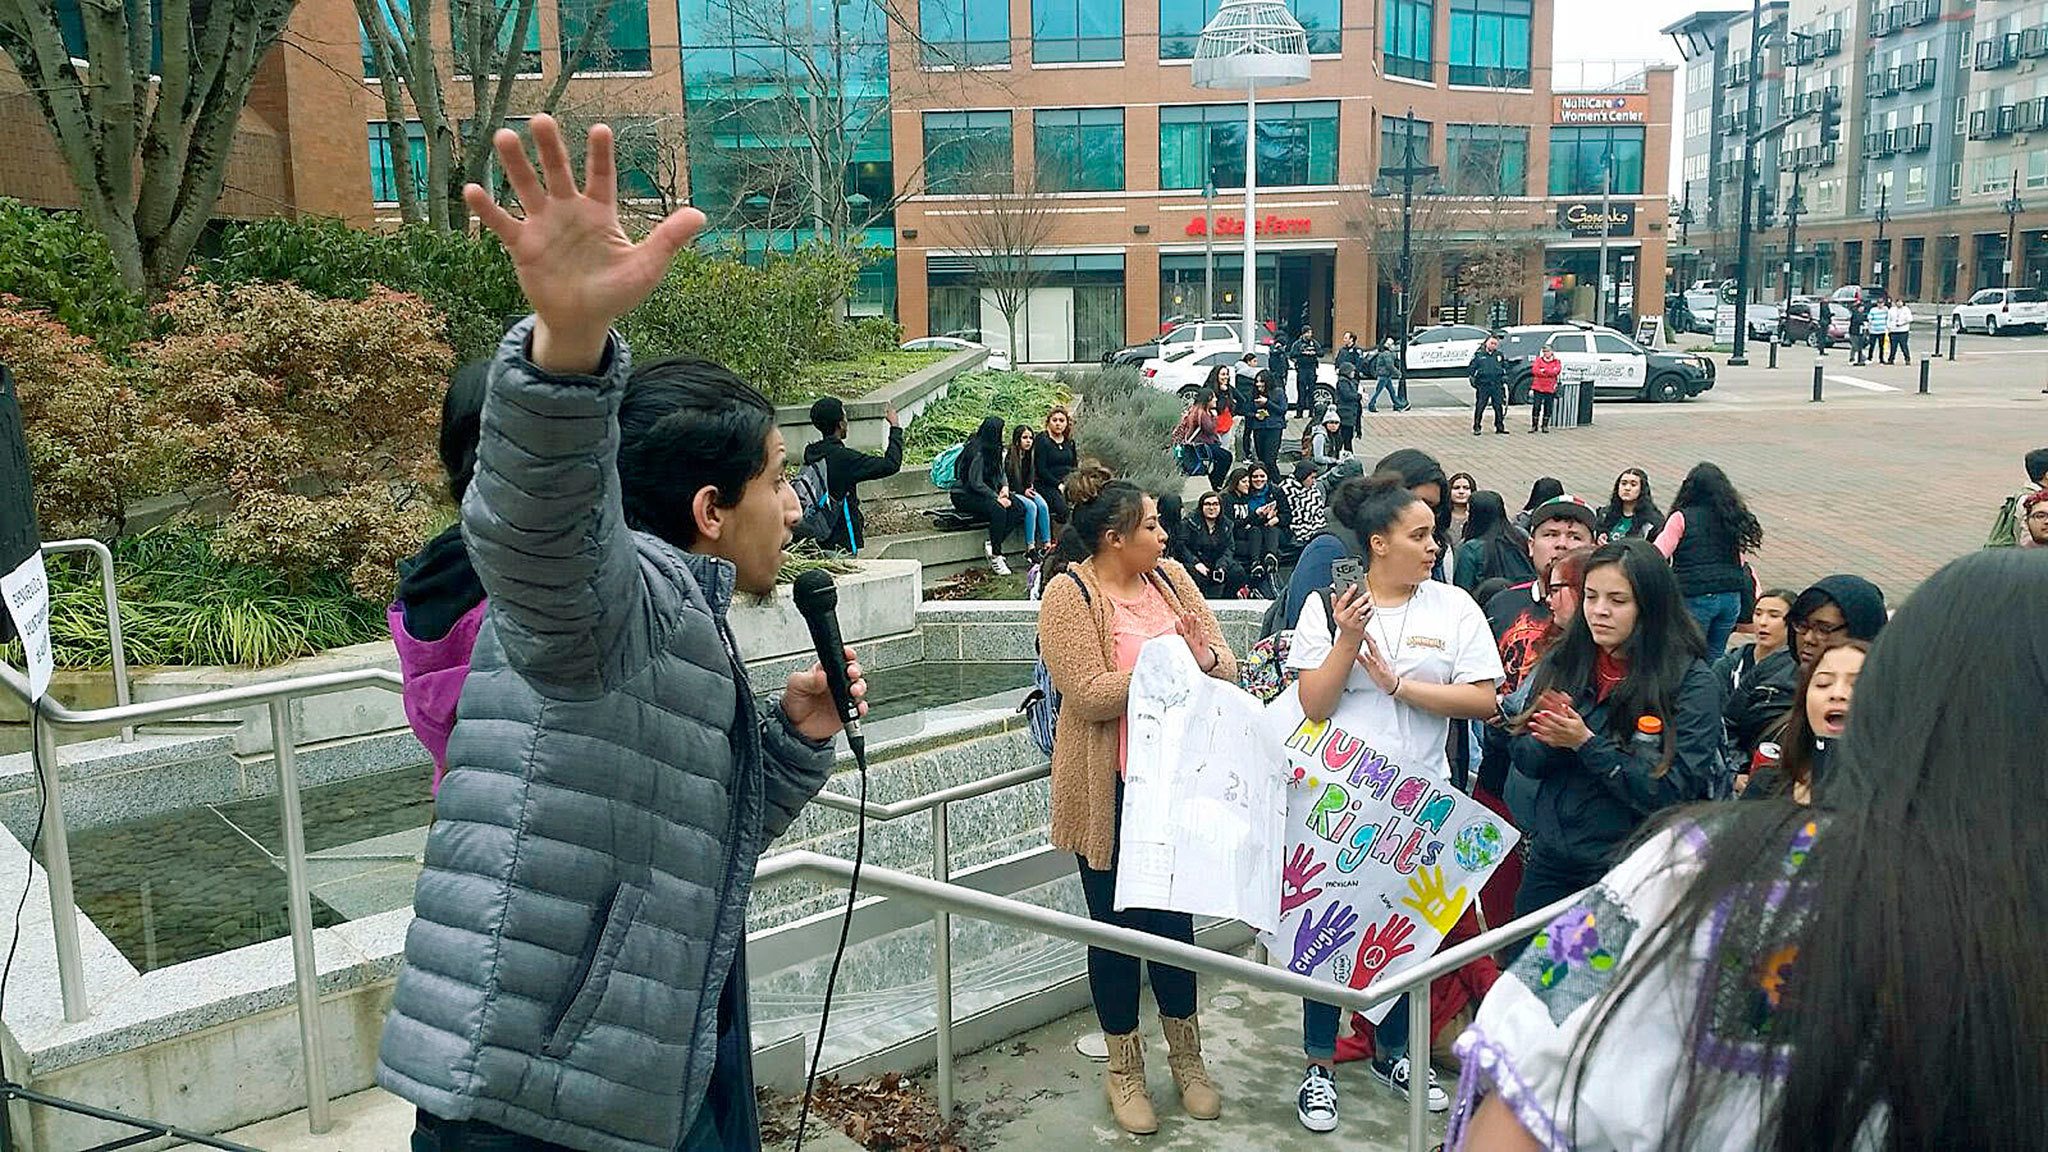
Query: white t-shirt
[[1439, 637]]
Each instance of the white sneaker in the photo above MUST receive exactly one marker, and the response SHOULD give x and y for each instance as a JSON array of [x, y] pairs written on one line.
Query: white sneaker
[[1396, 1076], [998, 565], [1316, 1104]]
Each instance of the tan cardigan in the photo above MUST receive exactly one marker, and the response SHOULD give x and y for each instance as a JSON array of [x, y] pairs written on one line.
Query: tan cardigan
[[1077, 640]]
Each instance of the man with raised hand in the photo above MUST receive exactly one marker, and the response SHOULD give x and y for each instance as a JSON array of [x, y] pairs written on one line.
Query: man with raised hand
[[574, 977]]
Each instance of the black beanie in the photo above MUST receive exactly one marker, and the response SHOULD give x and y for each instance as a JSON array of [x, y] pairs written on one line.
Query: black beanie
[[1861, 602]]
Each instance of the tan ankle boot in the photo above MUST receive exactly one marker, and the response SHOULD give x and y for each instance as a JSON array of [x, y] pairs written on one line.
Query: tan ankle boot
[[1198, 1093], [1129, 1098]]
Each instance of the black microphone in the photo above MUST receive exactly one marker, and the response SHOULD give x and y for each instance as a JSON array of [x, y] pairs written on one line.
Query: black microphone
[[818, 599]]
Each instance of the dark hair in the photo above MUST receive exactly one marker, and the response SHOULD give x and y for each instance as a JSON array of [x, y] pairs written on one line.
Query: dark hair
[[1941, 755], [1542, 492], [1369, 505], [1647, 515], [1794, 731], [827, 414], [686, 425], [1214, 384], [1259, 466], [1489, 588], [1665, 644], [1102, 503], [1501, 543], [1206, 497], [1706, 486], [2037, 465], [462, 414], [1169, 505], [1786, 594], [1241, 472], [1470, 480], [1418, 468], [1017, 463]]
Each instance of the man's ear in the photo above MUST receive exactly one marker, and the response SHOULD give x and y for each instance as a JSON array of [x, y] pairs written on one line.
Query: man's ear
[[705, 513]]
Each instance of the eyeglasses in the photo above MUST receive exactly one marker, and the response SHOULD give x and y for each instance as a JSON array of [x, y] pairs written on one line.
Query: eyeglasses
[[1824, 631]]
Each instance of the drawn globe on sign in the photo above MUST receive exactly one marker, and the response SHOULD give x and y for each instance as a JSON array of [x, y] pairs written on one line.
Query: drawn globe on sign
[[1477, 845]]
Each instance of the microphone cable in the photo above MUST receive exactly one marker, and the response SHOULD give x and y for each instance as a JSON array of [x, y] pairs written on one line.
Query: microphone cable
[[860, 843]]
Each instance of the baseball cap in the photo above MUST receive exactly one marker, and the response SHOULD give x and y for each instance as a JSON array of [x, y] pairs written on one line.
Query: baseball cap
[[1565, 508]]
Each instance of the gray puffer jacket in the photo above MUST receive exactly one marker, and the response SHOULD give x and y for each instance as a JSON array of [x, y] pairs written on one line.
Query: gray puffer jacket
[[610, 785]]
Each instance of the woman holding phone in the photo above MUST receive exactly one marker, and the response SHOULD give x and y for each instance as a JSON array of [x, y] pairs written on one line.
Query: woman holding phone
[[1400, 656]]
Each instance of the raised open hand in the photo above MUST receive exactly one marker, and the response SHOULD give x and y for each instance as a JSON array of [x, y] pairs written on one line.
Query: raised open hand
[[576, 264], [1317, 940], [1295, 878], [1382, 944]]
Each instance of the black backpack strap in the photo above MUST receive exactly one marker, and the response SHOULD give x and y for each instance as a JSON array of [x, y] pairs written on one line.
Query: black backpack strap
[[1329, 611]]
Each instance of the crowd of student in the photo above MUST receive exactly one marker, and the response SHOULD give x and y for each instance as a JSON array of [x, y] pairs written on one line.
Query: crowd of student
[[1570, 667]]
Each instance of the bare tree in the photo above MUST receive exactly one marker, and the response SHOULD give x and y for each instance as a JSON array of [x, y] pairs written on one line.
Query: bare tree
[[1001, 227], [148, 153], [487, 51]]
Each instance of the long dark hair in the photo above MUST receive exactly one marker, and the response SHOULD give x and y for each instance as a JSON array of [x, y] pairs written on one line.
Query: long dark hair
[[1418, 468], [1017, 462], [1793, 732], [1542, 492], [1660, 651], [1648, 516], [1916, 999], [1499, 540], [1706, 486]]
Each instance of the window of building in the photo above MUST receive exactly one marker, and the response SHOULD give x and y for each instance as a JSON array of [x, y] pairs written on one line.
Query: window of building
[[1181, 22], [2037, 169], [1490, 43], [1079, 149], [383, 174], [1578, 156], [1916, 184], [528, 59], [1066, 31], [967, 152], [1393, 153], [1297, 144], [1910, 265], [1405, 45], [621, 45], [965, 33], [1486, 159]]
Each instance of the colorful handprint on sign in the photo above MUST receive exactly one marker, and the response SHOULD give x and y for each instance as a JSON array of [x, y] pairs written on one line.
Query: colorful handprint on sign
[[1319, 939], [1438, 908], [1381, 945], [1295, 878]]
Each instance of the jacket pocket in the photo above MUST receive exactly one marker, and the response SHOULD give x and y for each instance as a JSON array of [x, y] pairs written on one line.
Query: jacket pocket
[[593, 969]]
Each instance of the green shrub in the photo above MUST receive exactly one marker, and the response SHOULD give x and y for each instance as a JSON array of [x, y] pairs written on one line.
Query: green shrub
[[1128, 426], [468, 279], [1014, 396], [182, 604], [764, 322], [56, 262]]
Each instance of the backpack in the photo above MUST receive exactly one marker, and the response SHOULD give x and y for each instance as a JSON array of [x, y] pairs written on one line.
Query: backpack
[[1041, 706], [821, 514], [2005, 531], [946, 469], [1264, 672]]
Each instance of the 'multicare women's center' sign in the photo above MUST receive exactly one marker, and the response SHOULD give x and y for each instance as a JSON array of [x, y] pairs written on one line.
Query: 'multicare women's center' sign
[[1584, 219], [1602, 108]]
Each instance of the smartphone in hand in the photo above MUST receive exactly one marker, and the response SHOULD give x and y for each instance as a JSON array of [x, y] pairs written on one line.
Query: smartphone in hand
[[1347, 572]]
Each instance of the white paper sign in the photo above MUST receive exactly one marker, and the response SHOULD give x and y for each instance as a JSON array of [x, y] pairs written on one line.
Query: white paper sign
[[1203, 797], [27, 591]]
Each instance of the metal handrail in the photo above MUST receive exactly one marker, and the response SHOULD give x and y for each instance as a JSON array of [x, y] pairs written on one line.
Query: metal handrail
[[955, 899], [110, 591]]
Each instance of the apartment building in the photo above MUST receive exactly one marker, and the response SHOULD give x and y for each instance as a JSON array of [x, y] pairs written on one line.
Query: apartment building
[[1944, 105]]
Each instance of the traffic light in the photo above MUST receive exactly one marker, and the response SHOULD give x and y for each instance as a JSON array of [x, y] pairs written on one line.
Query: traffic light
[[1830, 119], [1766, 206]]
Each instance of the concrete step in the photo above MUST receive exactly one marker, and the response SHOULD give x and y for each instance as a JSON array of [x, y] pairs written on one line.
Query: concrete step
[[943, 554]]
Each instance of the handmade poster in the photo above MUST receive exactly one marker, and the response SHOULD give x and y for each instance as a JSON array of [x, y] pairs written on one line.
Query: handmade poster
[[1202, 802], [1380, 860], [24, 585]]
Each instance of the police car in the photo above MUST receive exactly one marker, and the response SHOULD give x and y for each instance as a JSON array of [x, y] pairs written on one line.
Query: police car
[[1620, 368], [1443, 349]]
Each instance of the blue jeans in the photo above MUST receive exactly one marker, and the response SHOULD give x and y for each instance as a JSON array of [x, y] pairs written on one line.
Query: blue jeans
[[1717, 614], [1385, 385], [1037, 519], [1319, 1031]]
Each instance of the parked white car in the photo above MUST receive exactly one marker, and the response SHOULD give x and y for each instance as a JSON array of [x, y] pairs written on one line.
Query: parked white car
[[1995, 310], [997, 358], [1183, 372], [1701, 302]]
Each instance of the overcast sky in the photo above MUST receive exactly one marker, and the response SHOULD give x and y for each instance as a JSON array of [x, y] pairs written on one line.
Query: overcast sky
[[1602, 30]]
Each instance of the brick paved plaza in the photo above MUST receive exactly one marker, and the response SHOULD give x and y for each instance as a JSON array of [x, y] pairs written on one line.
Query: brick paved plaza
[[1889, 485]]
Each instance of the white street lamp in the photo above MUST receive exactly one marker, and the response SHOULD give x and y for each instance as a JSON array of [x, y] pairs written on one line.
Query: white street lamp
[[1251, 44]]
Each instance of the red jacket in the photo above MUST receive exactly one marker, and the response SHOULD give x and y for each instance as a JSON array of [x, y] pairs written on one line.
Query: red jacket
[[1546, 372]]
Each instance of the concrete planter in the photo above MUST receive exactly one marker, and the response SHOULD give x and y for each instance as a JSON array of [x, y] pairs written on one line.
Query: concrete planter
[[866, 430]]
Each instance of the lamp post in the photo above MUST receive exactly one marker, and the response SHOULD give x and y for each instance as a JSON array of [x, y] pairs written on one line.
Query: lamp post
[[1606, 312], [1685, 222], [1795, 206], [1736, 357], [1209, 247], [1251, 44], [2013, 208], [1882, 216], [1407, 173]]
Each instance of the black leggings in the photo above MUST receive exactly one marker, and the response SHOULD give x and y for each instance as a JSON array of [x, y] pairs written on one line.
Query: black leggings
[[1113, 977], [1055, 500], [1540, 406], [1225, 577], [1257, 541], [1266, 447], [1001, 521]]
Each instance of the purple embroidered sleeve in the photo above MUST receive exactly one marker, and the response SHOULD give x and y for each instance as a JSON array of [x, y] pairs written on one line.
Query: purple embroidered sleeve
[[1487, 1068]]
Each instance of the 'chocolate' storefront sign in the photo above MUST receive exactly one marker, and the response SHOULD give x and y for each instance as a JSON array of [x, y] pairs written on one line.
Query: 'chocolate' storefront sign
[[1584, 219]]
